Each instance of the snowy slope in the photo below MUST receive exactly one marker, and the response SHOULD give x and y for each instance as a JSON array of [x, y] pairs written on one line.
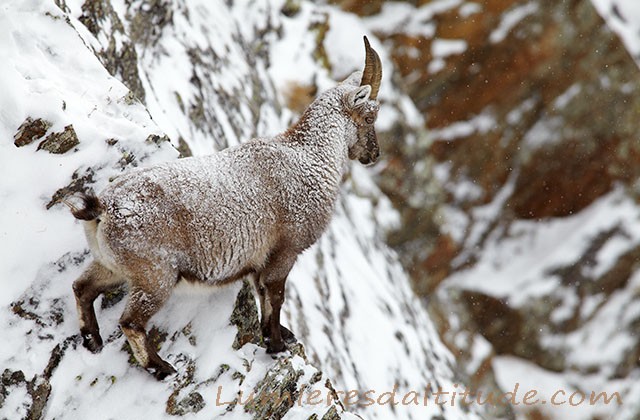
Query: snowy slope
[[623, 16], [208, 75]]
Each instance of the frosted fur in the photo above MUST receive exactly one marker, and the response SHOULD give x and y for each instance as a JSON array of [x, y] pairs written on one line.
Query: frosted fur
[[249, 209], [215, 216]]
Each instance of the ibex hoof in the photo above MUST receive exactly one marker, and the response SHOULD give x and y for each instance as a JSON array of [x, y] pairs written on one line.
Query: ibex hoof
[[273, 348], [160, 370], [92, 342]]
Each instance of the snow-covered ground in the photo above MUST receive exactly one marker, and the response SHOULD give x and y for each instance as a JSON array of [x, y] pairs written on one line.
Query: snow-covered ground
[[213, 75]]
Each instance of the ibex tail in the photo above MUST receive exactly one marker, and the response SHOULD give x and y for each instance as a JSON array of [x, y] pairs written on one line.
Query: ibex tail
[[91, 209]]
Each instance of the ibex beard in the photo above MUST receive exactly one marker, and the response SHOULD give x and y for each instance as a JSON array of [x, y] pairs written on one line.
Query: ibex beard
[[250, 209]]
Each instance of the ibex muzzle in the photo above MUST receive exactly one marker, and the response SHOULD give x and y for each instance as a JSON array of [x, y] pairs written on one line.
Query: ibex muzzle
[[249, 209]]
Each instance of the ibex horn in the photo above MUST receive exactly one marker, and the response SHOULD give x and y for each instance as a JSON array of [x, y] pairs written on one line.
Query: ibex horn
[[372, 70]]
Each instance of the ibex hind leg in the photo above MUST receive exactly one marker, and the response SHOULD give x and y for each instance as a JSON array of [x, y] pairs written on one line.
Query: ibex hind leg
[[95, 280], [145, 299]]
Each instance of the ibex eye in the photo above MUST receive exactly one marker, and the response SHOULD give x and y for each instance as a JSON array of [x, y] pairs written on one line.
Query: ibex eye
[[369, 120]]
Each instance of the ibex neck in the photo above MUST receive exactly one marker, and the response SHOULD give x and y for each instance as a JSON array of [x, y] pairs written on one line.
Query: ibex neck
[[323, 134]]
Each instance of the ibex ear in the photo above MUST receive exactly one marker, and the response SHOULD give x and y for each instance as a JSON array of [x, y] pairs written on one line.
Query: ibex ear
[[353, 79], [359, 95]]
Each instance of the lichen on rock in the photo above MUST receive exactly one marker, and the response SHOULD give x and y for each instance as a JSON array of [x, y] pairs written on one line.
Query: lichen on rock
[[61, 142], [118, 55], [245, 317]]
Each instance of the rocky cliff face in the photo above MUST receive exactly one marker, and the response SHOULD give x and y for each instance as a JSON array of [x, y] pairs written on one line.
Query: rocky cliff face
[[520, 201], [93, 88]]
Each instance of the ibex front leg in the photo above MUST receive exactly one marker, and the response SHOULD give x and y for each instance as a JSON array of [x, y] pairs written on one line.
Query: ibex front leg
[[273, 279], [265, 311]]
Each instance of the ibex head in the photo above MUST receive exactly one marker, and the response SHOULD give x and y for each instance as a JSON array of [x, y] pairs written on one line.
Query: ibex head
[[362, 106]]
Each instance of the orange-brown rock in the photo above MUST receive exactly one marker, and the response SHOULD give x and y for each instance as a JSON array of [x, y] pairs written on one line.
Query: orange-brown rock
[[560, 94]]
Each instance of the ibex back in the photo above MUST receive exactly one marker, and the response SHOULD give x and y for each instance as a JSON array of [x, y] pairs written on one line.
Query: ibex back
[[250, 209]]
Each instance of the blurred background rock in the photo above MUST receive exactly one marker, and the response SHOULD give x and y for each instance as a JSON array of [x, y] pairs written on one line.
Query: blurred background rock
[[519, 200]]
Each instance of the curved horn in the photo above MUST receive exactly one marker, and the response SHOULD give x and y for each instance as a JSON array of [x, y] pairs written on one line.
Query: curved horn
[[372, 73]]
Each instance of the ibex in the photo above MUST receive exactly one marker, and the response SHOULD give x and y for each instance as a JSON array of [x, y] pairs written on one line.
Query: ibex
[[249, 209]]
